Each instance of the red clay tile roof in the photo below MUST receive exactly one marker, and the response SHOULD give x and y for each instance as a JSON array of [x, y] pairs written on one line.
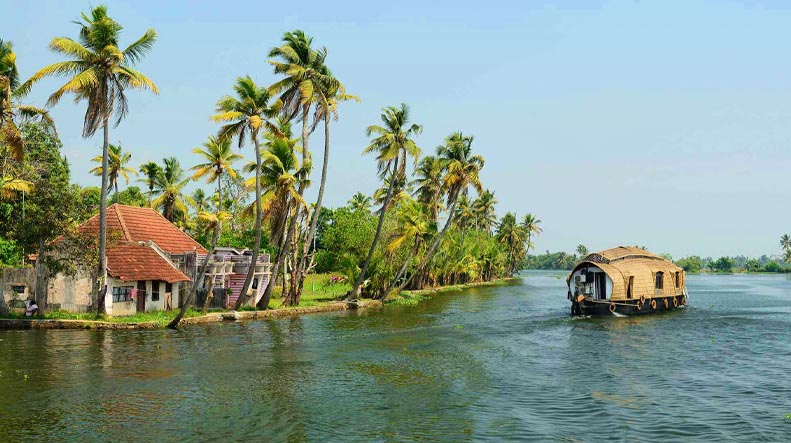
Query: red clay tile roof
[[143, 224], [134, 261]]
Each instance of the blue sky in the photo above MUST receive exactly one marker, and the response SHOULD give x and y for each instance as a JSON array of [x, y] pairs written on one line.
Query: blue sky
[[663, 123]]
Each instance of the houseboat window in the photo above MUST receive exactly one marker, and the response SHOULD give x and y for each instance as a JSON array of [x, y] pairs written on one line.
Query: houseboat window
[[168, 287], [678, 279], [122, 293], [630, 288], [154, 291], [659, 276]]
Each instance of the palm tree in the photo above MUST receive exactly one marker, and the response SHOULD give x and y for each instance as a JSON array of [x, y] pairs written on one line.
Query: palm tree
[[100, 72], [360, 202], [785, 242], [281, 175], [530, 224], [414, 224], [151, 171], [512, 235], [329, 94], [582, 251], [307, 81], [392, 144], [484, 211], [169, 189], [10, 109], [218, 159], [464, 216], [428, 184], [461, 170], [247, 114], [200, 200], [117, 166]]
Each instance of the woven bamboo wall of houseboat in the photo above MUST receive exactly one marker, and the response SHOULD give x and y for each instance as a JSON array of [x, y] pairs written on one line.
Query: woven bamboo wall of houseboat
[[642, 266]]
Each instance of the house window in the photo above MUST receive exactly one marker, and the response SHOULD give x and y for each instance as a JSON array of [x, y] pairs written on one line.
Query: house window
[[122, 293], [168, 287], [659, 276], [154, 291], [18, 289]]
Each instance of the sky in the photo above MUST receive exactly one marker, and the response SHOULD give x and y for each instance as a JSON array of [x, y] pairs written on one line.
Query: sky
[[663, 124]]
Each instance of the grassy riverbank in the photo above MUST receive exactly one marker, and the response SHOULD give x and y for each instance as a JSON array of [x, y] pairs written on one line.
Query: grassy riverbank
[[410, 298], [319, 296]]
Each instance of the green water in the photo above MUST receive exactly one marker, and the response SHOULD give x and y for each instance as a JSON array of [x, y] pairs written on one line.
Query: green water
[[487, 364]]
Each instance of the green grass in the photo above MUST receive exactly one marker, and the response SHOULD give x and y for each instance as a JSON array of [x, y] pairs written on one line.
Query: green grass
[[316, 292], [160, 317]]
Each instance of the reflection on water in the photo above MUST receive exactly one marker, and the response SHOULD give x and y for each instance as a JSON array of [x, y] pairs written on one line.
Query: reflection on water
[[487, 364]]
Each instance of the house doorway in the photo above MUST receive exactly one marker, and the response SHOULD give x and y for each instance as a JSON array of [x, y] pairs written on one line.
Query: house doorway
[[141, 296], [601, 285]]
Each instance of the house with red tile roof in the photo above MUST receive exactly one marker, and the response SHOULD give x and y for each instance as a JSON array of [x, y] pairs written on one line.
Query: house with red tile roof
[[150, 264], [150, 261]]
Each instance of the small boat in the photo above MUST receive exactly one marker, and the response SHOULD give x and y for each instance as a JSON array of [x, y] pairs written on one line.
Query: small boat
[[625, 280]]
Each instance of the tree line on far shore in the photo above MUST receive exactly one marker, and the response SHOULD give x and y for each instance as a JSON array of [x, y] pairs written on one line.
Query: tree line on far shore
[[431, 222], [692, 264]]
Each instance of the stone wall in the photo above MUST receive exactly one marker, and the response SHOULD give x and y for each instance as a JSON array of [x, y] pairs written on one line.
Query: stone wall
[[69, 293], [17, 277]]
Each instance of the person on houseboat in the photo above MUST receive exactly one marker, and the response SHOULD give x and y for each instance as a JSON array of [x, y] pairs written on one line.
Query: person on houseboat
[[32, 308]]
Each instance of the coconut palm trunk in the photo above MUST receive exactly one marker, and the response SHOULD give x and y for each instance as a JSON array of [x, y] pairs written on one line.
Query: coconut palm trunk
[[432, 248], [279, 258], [293, 298], [259, 215], [360, 278], [314, 219], [214, 240], [100, 302], [401, 271]]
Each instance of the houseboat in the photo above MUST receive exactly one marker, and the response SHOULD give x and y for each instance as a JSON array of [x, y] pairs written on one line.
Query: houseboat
[[625, 280]]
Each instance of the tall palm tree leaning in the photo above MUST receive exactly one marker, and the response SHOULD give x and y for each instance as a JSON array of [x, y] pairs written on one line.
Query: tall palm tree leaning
[[117, 161], [169, 188], [306, 77], [329, 95], [392, 144], [461, 170], [218, 159], [246, 115], [151, 171], [100, 73]]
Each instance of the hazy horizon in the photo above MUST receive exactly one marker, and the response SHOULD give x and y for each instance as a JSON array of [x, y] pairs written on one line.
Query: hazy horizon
[[615, 122]]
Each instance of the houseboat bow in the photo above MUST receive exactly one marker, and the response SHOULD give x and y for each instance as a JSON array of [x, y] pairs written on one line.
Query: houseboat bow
[[625, 280]]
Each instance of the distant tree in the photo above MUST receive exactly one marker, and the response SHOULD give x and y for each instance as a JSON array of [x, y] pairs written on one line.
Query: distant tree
[[722, 264], [116, 167], [785, 242], [151, 171], [132, 196], [169, 189], [692, 264], [772, 266], [582, 251], [360, 202]]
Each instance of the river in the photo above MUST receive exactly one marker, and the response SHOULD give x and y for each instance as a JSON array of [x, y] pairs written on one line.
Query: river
[[486, 364]]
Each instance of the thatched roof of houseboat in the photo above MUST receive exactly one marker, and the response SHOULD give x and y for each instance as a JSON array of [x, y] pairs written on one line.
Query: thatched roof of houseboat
[[625, 262]]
